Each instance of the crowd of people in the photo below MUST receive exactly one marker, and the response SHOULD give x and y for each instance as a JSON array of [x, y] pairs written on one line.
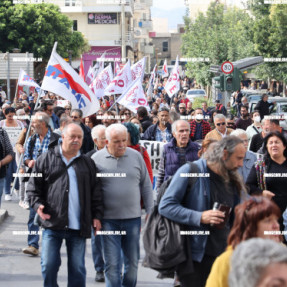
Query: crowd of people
[[96, 180]]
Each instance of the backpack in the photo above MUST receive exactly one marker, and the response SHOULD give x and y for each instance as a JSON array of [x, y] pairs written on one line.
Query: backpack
[[164, 246]]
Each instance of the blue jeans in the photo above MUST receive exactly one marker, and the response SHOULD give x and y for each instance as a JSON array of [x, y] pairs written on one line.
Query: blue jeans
[[12, 168], [97, 252], [2, 181], [33, 240], [128, 244], [51, 259]]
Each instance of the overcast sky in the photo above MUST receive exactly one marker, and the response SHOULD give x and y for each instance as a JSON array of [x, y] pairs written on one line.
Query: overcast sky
[[174, 10], [168, 4]]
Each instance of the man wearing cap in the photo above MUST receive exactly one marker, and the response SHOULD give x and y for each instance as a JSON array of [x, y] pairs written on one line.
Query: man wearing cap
[[160, 131]]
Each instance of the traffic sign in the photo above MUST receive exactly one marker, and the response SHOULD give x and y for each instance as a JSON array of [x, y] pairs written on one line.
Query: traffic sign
[[227, 67]]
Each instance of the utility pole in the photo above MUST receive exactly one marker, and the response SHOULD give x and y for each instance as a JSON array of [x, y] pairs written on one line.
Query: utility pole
[[123, 32]]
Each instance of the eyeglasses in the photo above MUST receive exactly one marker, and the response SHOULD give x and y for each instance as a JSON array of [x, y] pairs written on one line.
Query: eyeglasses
[[220, 124], [67, 109], [181, 107], [127, 114], [73, 117]]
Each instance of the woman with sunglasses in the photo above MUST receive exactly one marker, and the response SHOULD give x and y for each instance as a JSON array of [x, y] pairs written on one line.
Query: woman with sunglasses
[[256, 217], [220, 130], [269, 175]]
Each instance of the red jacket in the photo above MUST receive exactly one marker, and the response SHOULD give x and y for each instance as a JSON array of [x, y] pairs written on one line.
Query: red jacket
[[146, 158]]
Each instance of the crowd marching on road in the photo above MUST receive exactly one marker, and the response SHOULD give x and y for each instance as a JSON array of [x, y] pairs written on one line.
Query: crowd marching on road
[[220, 173]]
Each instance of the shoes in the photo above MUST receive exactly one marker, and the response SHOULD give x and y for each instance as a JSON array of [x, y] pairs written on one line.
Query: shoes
[[100, 277], [8, 197], [24, 204], [31, 250]]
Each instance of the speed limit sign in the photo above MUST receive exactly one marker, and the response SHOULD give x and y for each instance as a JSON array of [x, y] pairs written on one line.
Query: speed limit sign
[[227, 67]]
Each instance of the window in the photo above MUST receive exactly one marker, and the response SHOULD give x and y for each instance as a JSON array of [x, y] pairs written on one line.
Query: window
[[75, 25], [165, 46], [70, 2]]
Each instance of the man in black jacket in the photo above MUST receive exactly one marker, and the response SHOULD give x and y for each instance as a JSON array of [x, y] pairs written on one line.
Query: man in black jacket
[[263, 106], [68, 200], [88, 144]]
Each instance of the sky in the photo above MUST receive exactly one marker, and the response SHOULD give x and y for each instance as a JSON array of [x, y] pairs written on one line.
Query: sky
[[174, 10]]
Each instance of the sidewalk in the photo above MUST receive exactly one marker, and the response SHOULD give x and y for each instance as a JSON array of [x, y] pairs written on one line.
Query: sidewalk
[[18, 269]]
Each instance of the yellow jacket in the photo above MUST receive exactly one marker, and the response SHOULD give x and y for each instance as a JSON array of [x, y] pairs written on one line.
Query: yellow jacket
[[218, 276]]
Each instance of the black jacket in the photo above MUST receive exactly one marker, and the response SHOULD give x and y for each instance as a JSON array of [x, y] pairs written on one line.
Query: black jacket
[[52, 191], [145, 123], [263, 108], [88, 143]]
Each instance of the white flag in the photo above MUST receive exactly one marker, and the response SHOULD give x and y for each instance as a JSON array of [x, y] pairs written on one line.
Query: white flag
[[117, 68], [134, 97], [102, 80], [25, 80], [173, 83], [138, 69], [151, 82], [61, 79], [121, 82], [164, 70]]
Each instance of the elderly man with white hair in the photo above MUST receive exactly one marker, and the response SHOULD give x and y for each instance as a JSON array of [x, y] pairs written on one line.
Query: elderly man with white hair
[[125, 180], [99, 138], [250, 157]]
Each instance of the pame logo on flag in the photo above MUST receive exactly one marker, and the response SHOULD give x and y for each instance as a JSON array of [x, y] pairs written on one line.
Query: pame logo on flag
[[56, 72]]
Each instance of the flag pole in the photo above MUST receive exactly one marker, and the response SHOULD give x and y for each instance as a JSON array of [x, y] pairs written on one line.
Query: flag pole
[[24, 146]]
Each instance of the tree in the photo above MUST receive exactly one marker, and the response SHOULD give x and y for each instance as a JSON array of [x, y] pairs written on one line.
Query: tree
[[270, 41], [219, 35], [35, 27]]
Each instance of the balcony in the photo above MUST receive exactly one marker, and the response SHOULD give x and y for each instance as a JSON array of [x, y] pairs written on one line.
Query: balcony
[[90, 6]]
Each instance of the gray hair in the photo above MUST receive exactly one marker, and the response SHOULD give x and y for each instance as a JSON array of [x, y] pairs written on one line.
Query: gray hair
[[214, 155], [65, 119], [238, 133], [64, 131], [219, 117], [174, 116], [20, 112], [118, 128], [174, 125], [42, 117], [250, 259], [95, 131], [77, 111]]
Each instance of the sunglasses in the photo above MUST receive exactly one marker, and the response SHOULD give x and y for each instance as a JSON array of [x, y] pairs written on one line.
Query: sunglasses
[[220, 124], [67, 109]]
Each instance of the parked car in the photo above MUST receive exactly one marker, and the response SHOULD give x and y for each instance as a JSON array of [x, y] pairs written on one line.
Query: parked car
[[195, 93]]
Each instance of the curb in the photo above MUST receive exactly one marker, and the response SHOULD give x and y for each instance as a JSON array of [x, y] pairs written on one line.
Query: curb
[[3, 215]]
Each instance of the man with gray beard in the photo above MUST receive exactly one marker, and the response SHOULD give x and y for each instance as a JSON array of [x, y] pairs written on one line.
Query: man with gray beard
[[207, 207]]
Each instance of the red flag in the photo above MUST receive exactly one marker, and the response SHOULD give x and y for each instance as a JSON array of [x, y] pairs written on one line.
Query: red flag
[[82, 73]]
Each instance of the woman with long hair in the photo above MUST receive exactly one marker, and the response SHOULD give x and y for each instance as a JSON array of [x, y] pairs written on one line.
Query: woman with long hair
[[256, 217]]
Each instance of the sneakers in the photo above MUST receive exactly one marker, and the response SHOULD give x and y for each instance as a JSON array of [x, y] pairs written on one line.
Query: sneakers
[[31, 250], [8, 197], [24, 204], [100, 277]]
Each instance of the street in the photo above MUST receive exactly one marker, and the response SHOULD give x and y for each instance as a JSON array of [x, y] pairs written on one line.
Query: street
[[18, 269]]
